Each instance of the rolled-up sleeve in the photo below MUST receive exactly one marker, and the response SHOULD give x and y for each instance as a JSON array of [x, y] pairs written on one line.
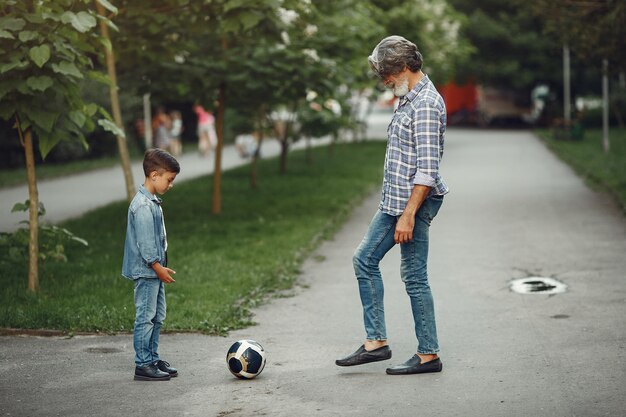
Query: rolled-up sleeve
[[427, 130], [146, 234]]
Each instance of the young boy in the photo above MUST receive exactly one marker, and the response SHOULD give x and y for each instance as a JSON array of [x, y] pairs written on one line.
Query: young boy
[[145, 262]]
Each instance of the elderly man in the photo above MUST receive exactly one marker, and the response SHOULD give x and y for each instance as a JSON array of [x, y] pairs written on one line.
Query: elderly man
[[411, 197]]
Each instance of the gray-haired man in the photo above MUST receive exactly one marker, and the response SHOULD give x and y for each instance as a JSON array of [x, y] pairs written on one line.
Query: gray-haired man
[[411, 197]]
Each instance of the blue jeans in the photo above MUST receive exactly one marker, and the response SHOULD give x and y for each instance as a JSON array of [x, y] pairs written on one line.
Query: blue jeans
[[413, 271], [149, 316]]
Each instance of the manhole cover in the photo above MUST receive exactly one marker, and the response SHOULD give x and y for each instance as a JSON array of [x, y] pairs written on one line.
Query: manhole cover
[[102, 350], [537, 285]]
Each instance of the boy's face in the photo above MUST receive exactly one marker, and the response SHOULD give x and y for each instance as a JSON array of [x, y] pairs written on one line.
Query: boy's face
[[161, 183]]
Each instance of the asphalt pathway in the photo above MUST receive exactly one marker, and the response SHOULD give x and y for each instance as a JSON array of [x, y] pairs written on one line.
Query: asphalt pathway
[[514, 211], [74, 195]]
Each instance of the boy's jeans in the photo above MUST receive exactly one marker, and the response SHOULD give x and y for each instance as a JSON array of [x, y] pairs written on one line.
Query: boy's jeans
[[413, 271], [150, 314]]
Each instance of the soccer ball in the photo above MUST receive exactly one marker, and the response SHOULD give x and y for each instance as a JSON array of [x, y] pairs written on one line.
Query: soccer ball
[[245, 359]]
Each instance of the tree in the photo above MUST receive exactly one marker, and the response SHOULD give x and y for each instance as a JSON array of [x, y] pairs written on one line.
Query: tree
[[511, 51], [568, 22], [115, 102], [46, 49]]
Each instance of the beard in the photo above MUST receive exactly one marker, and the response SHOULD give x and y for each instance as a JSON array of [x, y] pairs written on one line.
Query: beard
[[401, 89]]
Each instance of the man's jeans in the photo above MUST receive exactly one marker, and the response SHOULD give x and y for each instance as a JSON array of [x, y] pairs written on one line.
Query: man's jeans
[[413, 271], [150, 314]]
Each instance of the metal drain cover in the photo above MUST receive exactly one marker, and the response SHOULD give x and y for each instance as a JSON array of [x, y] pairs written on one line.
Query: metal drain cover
[[538, 285], [102, 350]]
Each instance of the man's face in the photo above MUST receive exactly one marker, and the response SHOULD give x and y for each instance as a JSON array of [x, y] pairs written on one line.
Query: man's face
[[398, 83]]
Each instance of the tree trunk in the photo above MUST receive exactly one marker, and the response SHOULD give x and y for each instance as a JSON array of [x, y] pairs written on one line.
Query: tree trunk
[[122, 145], [284, 150], [33, 213], [331, 147], [217, 172], [255, 158], [605, 106], [308, 152]]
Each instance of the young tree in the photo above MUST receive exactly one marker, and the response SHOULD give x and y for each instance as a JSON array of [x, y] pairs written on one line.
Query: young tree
[[122, 146], [46, 49]]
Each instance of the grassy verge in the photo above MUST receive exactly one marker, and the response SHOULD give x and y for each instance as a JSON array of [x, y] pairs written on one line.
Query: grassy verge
[[45, 171], [225, 264], [601, 170]]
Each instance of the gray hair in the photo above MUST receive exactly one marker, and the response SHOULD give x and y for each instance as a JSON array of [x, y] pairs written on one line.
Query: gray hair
[[392, 55]]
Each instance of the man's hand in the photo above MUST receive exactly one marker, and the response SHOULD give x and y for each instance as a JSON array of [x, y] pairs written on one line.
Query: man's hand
[[404, 229], [164, 273]]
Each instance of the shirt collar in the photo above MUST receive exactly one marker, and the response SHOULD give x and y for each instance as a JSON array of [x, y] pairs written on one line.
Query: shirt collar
[[415, 91], [143, 190]]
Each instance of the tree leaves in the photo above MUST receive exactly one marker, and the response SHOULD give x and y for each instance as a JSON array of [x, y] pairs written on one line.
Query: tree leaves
[[44, 118], [108, 6], [11, 23], [39, 83], [81, 21], [109, 126], [39, 54], [27, 35], [67, 68]]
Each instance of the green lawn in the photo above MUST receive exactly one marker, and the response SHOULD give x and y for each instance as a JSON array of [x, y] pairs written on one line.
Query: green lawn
[[605, 171], [225, 264]]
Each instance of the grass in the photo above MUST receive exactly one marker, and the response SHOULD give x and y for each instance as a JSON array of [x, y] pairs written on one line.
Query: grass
[[46, 170], [225, 264], [17, 176], [604, 171]]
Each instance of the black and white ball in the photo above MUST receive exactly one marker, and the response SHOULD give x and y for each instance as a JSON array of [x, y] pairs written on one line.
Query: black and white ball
[[246, 359]]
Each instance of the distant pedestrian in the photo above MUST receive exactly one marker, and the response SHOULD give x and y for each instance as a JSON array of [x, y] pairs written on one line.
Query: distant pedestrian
[[247, 144], [145, 262], [176, 131], [207, 136], [411, 197], [161, 125]]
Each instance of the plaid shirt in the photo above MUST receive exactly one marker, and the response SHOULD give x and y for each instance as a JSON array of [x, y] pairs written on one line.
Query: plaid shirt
[[414, 148]]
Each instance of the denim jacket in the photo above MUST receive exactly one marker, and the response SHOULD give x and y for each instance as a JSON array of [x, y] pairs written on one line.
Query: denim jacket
[[145, 237]]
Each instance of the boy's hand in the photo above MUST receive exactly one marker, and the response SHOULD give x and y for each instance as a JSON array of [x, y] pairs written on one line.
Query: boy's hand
[[164, 273]]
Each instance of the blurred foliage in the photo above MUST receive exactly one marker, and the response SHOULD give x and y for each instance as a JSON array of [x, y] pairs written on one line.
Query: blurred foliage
[[594, 29], [52, 241], [47, 50], [511, 51]]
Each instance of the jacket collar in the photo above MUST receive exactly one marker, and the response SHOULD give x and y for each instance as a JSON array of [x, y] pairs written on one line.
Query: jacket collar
[[143, 190]]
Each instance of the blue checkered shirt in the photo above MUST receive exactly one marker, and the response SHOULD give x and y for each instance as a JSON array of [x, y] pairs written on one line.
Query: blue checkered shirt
[[414, 147]]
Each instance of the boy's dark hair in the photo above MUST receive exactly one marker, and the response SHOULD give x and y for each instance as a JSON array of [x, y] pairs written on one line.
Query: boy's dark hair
[[159, 160]]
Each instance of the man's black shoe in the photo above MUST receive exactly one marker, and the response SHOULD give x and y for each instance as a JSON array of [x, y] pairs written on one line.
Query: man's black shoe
[[150, 373], [165, 367], [415, 366], [362, 356]]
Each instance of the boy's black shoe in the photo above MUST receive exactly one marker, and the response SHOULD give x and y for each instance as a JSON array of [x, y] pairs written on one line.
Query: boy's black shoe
[[150, 373], [165, 367], [362, 356], [415, 366]]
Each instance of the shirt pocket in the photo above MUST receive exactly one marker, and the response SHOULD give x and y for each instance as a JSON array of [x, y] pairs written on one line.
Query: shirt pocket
[[406, 141]]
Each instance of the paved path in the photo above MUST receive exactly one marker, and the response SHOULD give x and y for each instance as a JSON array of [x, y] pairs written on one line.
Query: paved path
[[71, 196], [514, 211]]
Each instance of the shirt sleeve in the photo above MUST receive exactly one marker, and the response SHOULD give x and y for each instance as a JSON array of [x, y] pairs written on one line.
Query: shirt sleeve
[[146, 234], [426, 128]]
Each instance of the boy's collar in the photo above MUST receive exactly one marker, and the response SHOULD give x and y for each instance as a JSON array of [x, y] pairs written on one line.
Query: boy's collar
[[143, 190]]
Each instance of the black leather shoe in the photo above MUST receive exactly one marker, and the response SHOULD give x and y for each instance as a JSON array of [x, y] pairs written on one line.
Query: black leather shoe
[[150, 373], [362, 356], [415, 366], [165, 367]]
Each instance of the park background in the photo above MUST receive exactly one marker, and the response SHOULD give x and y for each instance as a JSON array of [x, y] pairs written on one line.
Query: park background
[[79, 78], [263, 244]]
